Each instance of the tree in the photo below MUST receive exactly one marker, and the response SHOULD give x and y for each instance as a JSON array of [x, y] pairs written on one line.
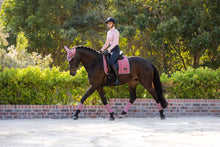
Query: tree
[[183, 32], [41, 21], [173, 34], [86, 23]]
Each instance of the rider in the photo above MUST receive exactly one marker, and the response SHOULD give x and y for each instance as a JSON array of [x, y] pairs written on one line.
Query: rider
[[113, 49]]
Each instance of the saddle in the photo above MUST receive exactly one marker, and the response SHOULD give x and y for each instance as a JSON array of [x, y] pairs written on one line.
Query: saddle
[[123, 63]]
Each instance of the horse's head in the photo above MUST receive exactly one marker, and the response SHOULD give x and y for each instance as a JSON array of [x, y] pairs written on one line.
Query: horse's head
[[73, 60]]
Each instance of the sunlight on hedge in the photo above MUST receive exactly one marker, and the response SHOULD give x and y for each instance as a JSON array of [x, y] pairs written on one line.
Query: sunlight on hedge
[[193, 83], [34, 85]]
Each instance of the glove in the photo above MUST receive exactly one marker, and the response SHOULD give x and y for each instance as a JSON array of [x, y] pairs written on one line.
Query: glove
[[106, 52]]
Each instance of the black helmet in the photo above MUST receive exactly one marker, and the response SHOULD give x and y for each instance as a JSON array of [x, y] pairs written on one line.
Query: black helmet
[[110, 19]]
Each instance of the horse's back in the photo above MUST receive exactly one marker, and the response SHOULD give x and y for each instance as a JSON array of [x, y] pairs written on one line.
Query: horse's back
[[140, 67], [139, 62]]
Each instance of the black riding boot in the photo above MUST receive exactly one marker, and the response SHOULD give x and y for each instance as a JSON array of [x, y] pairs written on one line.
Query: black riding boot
[[116, 82]]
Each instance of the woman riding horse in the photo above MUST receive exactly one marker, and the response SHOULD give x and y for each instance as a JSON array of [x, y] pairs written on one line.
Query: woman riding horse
[[141, 72], [113, 41]]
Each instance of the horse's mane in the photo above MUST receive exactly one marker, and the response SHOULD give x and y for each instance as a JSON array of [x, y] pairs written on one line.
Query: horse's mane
[[87, 48]]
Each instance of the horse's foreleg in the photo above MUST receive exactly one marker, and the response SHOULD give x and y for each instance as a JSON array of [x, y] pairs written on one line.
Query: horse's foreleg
[[88, 93], [133, 97], [104, 100]]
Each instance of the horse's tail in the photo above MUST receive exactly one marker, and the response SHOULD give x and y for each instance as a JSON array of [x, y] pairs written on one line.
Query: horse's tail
[[158, 87]]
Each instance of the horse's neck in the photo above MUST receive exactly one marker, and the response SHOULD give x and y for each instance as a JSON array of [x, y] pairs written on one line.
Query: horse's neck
[[89, 58]]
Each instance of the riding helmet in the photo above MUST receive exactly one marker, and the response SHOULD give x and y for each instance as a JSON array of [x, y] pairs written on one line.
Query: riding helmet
[[110, 19]]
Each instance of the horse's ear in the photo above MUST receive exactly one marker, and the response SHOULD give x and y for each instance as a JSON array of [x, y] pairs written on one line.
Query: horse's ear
[[66, 49]]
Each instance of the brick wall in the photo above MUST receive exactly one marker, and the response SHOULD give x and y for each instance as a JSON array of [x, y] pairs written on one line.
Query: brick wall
[[141, 108]]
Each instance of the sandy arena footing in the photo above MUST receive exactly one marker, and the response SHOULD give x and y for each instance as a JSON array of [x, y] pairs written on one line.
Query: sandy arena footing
[[138, 132]]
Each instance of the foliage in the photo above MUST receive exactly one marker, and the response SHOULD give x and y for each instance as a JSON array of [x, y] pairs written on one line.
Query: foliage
[[173, 34], [193, 83], [40, 21], [3, 36], [33, 85], [18, 57]]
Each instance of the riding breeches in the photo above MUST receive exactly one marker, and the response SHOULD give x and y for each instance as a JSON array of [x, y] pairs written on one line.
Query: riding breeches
[[114, 57]]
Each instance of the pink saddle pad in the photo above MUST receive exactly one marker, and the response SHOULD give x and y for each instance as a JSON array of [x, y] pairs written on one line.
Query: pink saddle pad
[[124, 66]]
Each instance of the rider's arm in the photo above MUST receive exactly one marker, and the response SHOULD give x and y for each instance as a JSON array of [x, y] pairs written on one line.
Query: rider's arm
[[115, 41], [105, 45]]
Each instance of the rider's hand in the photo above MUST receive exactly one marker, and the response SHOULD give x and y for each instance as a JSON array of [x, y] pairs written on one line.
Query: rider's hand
[[105, 52], [100, 51]]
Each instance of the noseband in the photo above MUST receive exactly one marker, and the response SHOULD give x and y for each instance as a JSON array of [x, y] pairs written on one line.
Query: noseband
[[70, 66]]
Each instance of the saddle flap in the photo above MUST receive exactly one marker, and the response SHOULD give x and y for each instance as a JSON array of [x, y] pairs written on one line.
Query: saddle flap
[[124, 66]]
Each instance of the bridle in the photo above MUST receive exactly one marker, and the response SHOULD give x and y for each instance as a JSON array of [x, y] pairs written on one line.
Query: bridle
[[71, 52], [72, 56], [73, 66]]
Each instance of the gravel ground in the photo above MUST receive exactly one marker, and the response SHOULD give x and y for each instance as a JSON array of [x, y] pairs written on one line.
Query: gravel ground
[[137, 132]]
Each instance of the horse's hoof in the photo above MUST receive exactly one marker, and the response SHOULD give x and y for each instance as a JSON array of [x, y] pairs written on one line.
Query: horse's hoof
[[112, 118], [75, 117], [121, 116], [163, 117]]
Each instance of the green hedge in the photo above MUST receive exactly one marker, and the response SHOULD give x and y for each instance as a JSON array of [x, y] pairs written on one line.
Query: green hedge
[[34, 85], [193, 83]]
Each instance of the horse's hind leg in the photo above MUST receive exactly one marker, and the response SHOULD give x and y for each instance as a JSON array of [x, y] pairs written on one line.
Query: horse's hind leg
[[104, 101], [132, 90], [150, 87]]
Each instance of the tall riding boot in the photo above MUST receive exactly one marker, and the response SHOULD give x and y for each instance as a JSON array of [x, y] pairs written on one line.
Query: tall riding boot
[[116, 82]]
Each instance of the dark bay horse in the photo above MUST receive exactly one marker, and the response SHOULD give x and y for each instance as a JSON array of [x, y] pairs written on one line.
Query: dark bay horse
[[141, 71]]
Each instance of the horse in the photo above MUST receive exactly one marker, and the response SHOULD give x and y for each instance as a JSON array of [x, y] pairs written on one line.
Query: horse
[[141, 72]]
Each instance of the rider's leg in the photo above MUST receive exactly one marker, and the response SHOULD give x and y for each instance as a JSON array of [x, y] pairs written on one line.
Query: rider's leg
[[114, 64], [115, 70]]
